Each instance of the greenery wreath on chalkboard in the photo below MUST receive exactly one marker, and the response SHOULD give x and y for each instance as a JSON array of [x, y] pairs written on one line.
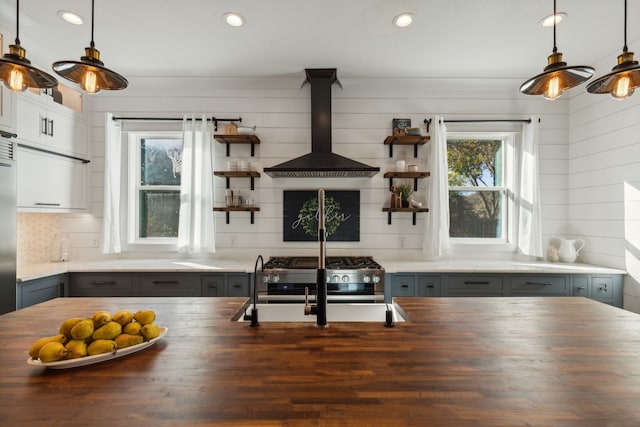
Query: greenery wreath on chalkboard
[[309, 216]]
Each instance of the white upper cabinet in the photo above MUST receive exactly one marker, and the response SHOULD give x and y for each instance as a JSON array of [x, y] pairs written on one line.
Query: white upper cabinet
[[53, 120], [50, 183]]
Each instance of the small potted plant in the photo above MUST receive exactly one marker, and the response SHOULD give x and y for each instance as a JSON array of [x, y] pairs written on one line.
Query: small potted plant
[[405, 191]]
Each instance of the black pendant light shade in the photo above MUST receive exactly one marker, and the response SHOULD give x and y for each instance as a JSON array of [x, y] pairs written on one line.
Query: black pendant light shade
[[557, 76], [90, 72], [624, 77], [16, 70]]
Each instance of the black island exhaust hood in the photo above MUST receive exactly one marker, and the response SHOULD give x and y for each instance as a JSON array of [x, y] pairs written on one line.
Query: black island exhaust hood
[[321, 162]]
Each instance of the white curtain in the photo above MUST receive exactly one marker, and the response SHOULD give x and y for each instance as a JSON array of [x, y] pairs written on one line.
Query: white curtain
[[111, 243], [436, 230], [196, 229], [529, 212]]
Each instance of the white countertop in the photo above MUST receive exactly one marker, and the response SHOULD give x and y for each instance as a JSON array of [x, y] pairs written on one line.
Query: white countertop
[[35, 271]]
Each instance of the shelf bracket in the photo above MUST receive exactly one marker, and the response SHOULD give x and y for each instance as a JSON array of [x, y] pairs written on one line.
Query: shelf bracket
[[415, 184], [252, 218], [227, 216], [389, 218], [252, 149], [414, 218], [391, 149], [228, 180], [252, 184], [415, 151]]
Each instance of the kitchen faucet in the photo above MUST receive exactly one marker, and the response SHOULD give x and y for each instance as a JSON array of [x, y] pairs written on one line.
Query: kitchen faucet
[[320, 308], [254, 311]]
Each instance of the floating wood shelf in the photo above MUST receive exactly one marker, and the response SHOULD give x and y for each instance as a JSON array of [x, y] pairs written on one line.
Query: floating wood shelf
[[407, 175], [238, 174], [237, 139], [406, 140], [413, 211], [229, 209]]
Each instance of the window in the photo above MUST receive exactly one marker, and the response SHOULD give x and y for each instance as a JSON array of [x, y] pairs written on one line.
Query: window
[[154, 187], [480, 182]]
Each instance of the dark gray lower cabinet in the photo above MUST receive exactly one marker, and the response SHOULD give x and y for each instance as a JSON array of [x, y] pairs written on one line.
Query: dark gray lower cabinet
[[36, 291], [166, 285], [604, 288], [225, 285], [159, 284], [100, 284]]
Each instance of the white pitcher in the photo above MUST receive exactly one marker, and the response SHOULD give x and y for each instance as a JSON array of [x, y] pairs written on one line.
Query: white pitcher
[[567, 251]]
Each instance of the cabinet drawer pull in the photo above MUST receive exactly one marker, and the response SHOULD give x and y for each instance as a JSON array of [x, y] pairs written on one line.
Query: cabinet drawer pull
[[431, 286], [165, 282], [46, 204], [43, 125], [582, 288], [212, 286], [538, 284], [476, 283], [50, 133], [404, 286], [103, 283], [237, 286]]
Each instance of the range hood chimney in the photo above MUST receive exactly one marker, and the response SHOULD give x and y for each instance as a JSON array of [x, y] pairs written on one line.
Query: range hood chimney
[[321, 162]]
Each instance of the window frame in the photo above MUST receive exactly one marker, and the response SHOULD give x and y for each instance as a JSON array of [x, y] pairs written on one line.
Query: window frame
[[508, 223], [134, 174]]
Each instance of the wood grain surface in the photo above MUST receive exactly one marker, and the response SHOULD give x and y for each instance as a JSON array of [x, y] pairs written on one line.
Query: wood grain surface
[[564, 361]]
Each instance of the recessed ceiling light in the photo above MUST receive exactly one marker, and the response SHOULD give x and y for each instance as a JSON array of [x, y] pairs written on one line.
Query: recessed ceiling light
[[403, 20], [233, 19], [547, 21], [71, 17]]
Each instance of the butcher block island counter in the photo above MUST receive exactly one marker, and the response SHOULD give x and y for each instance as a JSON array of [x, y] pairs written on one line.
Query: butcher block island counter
[[566, 361]]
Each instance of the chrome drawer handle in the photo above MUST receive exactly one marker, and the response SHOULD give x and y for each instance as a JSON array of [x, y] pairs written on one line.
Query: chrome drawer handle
[[538, 284], [165, 282], [46, 204], [103, 283], [582, 288], [476, 283]]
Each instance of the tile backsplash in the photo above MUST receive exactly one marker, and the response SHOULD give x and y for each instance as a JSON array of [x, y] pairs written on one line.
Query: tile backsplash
[[36, 234]]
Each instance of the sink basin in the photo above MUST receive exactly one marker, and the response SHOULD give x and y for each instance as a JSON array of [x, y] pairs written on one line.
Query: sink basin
[[337, 312]]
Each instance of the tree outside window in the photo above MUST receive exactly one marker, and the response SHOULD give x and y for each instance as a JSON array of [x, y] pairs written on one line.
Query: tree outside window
[[476, 188]]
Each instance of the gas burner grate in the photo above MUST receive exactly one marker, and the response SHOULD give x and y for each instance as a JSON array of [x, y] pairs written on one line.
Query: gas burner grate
[[332, 263]]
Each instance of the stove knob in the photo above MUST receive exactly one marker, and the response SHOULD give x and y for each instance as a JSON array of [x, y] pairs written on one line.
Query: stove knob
[[265, 279], [275, 278], [375, 278], [366, 279], [335, 278], [345, 278]]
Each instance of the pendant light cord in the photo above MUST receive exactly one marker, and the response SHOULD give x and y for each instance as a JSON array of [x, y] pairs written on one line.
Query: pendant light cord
[[92, 17], [555, 18], [17, 22], [625, 48]]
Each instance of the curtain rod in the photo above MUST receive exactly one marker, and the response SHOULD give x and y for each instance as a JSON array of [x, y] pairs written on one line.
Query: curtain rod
[[428, 121], [214, 119]]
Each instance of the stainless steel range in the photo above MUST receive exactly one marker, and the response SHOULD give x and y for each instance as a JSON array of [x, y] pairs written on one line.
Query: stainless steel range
[[349, 279]]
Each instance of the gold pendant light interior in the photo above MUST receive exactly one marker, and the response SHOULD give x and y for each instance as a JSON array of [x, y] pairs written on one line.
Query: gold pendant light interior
[[624, 78], [557, 75], [90, 72], [16, 70]]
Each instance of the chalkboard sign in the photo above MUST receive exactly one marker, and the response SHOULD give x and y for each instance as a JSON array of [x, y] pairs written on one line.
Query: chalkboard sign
[[342, 215]]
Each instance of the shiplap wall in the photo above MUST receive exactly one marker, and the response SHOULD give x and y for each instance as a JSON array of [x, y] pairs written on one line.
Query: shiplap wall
[[362, 113], [604, 180]]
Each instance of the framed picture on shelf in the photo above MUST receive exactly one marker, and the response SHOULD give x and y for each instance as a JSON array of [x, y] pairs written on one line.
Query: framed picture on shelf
[[399, 126]]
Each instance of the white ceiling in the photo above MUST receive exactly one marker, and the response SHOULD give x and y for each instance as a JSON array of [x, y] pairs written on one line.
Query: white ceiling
[[449, 38]]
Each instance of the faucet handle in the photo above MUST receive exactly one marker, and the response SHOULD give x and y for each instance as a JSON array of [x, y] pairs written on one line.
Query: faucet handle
[[307, 307]]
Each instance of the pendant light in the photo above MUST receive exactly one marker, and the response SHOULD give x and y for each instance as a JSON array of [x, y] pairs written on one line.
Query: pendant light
[[557, 76], [624, 77], [90, 72], [16, 70]]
